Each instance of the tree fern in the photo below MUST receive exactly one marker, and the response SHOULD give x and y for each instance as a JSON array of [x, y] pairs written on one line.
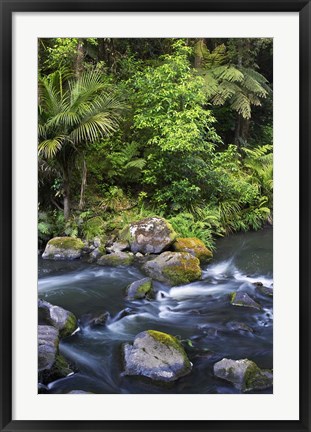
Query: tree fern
[[225, 82]]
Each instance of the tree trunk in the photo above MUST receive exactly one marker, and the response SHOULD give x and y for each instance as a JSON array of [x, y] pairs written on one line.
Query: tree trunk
[[237, 132], [198, 54], [83, 184], [66, 186], [241, 130], [245, 129], [78, 67]]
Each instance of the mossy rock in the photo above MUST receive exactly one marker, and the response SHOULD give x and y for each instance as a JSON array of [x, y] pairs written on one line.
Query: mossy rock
[[266, 291], [63, 248], [48, 341], [244, 374], [194, 246], [156, 355], [151, 235], [116, 259], [58, 317], [174, 268], [51, 364], [139, 289], [241, 298]]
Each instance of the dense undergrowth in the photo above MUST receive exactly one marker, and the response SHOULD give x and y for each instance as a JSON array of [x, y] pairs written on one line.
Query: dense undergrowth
[[174, 128]]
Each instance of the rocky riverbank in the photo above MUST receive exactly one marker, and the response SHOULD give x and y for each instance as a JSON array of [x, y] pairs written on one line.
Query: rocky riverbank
[[154, 355]]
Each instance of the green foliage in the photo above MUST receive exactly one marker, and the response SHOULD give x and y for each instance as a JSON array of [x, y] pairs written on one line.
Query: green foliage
[[93, 227], [185, 225], [169, 103], [77, 115], [242, 87], [164, 156]]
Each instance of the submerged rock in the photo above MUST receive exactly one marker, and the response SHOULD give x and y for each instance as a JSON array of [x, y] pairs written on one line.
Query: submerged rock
[[244, 374], [63, 248], [194, 246], [116, 259], [239, 326], [267, 291], [60, 318], [94, 320], [51, 365], [240, 298], [156, 355], [174, 268], [150, 235], [139, 289]]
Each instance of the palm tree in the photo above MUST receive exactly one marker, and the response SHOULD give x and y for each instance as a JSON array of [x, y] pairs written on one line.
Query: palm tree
[[73, 113]]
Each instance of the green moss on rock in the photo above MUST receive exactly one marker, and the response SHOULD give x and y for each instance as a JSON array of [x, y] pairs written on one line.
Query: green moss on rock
[[194, 246], [244, 374], [174, 268], [139, 289], [125, 234], [256, 378], [184, 272], [171, 342], [115, 260], [66, 243], [232, 297], [70, 326]]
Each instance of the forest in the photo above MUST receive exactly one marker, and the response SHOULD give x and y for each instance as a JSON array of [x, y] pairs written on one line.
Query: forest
[[179, 128], [155, 216]]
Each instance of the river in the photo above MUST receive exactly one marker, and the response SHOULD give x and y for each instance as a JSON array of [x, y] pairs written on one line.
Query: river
[[200, 314]]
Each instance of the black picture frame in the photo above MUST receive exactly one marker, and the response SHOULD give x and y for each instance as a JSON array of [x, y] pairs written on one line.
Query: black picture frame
[[8, 7]]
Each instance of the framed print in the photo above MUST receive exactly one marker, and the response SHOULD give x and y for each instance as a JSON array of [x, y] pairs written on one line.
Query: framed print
[[155, 215]]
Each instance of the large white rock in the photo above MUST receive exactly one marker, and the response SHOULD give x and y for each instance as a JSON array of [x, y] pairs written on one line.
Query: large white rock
[[150, 235], [156, 355], [63, 248]]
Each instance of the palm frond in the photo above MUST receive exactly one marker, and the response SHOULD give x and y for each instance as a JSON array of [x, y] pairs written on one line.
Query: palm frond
[[49, 148]]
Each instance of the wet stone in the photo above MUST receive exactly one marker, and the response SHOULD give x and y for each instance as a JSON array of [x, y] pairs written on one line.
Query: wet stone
[[240, 298]]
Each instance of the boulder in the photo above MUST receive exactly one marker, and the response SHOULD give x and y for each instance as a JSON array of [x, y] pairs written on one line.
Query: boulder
[[156, 355], [118, 247], [63, 248], [151, 235], [94, 320], [94, 255], [244, 374], [139, 289], [194, 246], [116, 259], [48, 340], [60, 318], [240, 298], [97, 242], [267, 291], [51, 365], [174, 268]]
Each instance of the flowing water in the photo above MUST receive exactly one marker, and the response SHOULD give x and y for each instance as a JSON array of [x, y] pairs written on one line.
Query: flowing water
[[200, 314]]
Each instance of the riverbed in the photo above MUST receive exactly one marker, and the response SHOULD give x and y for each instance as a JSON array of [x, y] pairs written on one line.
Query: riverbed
[[199, 314]]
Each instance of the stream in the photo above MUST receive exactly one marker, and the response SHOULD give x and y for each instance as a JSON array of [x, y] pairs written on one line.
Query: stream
[[200, 314]]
